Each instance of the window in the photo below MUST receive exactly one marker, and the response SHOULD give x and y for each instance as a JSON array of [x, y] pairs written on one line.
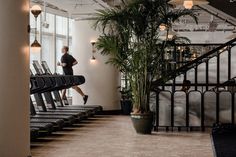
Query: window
[[70, 27], [50, 19], [48, 51], [124, 81], [48, 41], [61, 38], [60, 42], [61, 25], [52, 39]]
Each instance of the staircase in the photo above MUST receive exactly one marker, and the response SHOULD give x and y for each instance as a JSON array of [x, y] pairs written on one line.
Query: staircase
[[227, 6], [211, 97]]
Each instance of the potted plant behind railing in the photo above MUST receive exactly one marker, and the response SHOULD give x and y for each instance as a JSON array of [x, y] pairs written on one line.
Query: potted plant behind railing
[[131, 39], [126, 100]]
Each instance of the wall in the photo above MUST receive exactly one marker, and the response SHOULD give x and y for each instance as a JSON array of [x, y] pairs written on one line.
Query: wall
[[206, 37], [14, 79], [102, 80]]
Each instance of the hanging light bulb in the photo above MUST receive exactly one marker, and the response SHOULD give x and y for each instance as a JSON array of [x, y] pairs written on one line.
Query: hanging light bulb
[[36, 10], [35, 46], [93, 58], [162, 27], [188, 4], [171, 34]]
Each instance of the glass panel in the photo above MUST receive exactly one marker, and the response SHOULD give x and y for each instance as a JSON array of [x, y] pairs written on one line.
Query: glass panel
[[165, 108], [212, 70], [225, 107], [194, 108], [224, 67], [191, 75], [48, 51], [233, 60], [70, 27], [61, 25], [202, 73], [50, 21], [210, 108], [60, 42], [179, 109], [70, 43]]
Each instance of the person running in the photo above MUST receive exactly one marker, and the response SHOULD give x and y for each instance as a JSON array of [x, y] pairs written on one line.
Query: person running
[[67, 62]]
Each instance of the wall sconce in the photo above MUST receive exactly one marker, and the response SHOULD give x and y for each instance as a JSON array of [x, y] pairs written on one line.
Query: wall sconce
[[93, 50], [36, 11]]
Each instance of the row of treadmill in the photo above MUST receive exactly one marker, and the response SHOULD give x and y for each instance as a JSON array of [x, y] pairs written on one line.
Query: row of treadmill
[[49, 112]]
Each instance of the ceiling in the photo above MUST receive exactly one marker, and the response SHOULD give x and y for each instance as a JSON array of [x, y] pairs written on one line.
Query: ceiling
[[84, 9], [76, 9], [227, 6]]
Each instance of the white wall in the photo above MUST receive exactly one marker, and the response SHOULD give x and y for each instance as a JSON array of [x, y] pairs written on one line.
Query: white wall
[[206, 37], [102, 80], [14, 79]]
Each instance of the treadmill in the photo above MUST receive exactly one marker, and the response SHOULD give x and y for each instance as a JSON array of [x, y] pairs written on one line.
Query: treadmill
[[46, 87], [58, 79], [34, 133], [41, 128], [37, 87], [58, 123], [64, 103]]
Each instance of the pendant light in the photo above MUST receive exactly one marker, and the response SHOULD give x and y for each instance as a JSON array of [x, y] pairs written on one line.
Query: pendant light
[[36, 11], [162, 27], [188, 4]]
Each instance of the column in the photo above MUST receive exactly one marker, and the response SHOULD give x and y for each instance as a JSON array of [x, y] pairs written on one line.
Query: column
[[14, 79]]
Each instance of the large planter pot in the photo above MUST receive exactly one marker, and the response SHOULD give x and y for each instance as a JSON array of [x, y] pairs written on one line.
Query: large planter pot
[[126, 106], [143, 123]]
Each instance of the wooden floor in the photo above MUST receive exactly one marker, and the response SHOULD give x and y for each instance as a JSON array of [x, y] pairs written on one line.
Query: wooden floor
[[114, 136]]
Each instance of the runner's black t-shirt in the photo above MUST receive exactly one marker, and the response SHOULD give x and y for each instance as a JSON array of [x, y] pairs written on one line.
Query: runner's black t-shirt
[[69, 60]]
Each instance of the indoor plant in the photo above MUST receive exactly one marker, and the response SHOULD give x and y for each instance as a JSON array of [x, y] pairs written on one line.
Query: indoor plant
[[126, 100], [131, 39]]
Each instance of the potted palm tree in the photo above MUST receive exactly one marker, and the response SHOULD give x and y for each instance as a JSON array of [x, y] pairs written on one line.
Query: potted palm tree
[[131, 37], [126, 100]]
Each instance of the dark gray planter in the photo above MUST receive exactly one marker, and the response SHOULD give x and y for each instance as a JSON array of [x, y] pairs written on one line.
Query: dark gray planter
[[126, 106], [143, 123]]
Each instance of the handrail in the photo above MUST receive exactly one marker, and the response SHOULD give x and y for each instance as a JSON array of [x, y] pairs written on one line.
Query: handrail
[[195, 62]]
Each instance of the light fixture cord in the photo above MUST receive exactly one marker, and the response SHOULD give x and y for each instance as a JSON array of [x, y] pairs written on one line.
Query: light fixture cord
[[35, 28], [44, 9]]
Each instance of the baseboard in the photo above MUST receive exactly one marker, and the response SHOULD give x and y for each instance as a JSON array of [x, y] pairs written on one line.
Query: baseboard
[[111, 112]]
